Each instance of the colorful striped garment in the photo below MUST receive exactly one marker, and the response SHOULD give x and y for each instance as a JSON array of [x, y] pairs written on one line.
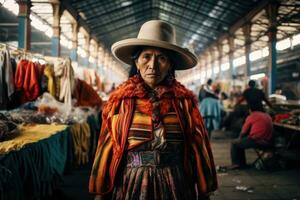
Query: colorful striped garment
[[128, 128]]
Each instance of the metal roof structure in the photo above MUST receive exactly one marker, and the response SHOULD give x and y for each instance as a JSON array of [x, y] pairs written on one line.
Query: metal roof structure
[[198, 23], [201, 25]]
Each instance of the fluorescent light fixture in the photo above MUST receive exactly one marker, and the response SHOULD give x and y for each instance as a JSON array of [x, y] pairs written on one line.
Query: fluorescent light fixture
[[126, 3], [255, 55], [283, 44], [239, 61], [296, 40], [257, 76], [225, 66], [12, 6]]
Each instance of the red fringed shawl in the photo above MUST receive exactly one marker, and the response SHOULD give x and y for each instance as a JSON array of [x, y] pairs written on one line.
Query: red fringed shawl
[[117, 116]]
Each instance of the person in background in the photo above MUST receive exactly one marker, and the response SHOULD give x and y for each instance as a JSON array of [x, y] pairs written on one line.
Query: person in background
[[256, 132], [211, 110], [153, 143], [206, 91], [254, 97]]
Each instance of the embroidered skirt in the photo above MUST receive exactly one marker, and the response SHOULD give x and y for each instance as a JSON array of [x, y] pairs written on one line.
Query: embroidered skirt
[[152, 175]]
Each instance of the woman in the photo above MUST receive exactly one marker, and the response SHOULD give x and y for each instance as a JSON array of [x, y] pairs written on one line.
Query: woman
[[153, 144]]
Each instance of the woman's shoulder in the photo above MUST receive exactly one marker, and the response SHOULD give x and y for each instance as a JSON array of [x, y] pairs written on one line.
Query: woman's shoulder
[[181, 91], [128, 89]]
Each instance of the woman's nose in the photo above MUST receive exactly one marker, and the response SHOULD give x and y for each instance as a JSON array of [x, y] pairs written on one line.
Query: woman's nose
[[153, 63]]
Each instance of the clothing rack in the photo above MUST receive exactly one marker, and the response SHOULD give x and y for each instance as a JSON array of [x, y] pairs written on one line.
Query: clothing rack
[[21, 53]]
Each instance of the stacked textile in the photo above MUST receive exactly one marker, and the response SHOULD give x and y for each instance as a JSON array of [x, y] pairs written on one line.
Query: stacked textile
[[8, 129]]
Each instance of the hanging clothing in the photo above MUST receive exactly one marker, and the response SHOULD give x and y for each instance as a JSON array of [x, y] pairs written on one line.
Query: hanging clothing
[[85, 95], [7, 87], [27, 80], [49, 73], [64, 70]]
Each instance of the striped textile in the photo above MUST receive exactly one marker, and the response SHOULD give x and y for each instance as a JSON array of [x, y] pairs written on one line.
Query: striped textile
[[127, 126]]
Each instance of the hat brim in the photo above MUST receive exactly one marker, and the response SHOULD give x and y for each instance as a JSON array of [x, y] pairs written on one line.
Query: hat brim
[[123, 50]]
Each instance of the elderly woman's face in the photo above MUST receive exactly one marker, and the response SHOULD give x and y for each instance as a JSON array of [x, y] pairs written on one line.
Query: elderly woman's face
[[154, 65]]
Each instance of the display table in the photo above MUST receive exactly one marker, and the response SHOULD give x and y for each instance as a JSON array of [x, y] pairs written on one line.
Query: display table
[[34, 161], [288, 126], [291, 133], [32, 164], [30, 134]]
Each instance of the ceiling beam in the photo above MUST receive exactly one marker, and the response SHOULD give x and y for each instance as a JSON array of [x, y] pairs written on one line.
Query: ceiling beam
[[135, 14], [197, 12], [248, 17], [123, 26], [113, 10], [189, 20], [78, 18], [9, 24], [223, 8]]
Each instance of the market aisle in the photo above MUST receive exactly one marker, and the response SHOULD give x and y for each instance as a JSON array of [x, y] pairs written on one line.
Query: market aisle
[[74, 185], [251, 183]]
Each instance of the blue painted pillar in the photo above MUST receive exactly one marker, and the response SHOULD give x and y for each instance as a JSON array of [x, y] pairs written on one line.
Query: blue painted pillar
[[247, 35], [24, 29], [230, 55], [73, 52], [272, 11], [55, 40]]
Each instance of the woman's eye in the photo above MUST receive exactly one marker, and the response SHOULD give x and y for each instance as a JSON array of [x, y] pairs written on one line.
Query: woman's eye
[[163, 58], [146, 56]]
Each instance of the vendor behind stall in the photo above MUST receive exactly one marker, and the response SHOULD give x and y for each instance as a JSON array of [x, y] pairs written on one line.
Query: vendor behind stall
[[254, 97]]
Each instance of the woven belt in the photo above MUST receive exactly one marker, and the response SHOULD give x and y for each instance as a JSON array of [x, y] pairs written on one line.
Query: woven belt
[[152, 158]]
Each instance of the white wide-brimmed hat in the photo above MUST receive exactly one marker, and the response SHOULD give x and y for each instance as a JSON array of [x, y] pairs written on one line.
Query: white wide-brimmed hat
[[155, 33]]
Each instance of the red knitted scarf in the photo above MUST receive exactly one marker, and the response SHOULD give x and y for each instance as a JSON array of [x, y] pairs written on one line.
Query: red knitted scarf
[[135, 87]]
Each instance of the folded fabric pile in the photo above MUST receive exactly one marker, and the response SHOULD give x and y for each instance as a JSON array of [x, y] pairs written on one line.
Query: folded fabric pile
[[8, 129]]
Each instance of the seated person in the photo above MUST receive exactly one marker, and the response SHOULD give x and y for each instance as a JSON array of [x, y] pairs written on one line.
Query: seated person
[[234, 120], [256, 132]]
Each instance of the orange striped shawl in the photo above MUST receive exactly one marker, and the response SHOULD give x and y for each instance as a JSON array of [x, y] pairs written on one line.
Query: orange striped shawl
[[198, 159]]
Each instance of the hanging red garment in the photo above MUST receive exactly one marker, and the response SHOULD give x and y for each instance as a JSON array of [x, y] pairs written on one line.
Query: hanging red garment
[[26, 81], [86, 95]]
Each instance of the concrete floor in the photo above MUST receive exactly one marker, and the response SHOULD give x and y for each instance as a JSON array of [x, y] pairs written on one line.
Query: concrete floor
[[246, 184], [250, 183]]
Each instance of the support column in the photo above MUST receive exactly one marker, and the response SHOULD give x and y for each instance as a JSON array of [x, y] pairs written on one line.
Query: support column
[[73, 53], [96, 54], [201, 66], [212, 62], [87, 50], [247, 35], [55, 40], [220, 58], [206, 62], [24, 29], [100, 57], [230, 55], [272, 11]]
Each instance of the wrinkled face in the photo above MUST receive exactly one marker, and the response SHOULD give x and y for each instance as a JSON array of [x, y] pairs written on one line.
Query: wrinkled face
[[154, 66]]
